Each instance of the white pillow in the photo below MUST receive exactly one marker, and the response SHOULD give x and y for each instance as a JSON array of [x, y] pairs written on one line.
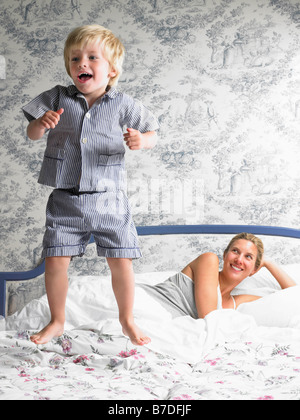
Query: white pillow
[[279, 309]]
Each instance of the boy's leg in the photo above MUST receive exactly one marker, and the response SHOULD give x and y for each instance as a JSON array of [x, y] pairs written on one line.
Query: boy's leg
[[56, 279], [123, 287]]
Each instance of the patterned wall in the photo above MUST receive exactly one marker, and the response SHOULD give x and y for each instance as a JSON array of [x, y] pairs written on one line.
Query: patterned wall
[[222, 76]]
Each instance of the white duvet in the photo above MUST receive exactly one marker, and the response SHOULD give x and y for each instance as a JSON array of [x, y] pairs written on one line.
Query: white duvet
[[224, 348]]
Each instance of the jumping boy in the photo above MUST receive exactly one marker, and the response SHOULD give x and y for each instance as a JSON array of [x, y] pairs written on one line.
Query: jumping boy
[[84, 162]]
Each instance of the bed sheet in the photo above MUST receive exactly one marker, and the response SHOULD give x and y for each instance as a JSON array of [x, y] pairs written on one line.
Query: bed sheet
[[225, 356]]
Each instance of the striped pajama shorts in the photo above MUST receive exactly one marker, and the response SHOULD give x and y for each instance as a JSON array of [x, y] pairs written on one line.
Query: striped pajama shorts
[[72, 217]]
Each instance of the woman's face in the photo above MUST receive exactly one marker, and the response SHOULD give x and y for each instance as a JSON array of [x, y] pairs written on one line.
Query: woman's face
[[239, 261]]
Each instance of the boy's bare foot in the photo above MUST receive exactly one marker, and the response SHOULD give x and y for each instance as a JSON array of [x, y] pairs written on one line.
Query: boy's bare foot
[[135, 335], [53, 329]]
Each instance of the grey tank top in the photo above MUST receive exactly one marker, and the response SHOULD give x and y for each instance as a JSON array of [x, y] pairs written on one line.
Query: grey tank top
[[177, 295]]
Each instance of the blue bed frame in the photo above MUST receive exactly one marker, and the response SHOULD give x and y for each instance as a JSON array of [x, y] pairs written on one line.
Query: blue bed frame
[[157, 230]]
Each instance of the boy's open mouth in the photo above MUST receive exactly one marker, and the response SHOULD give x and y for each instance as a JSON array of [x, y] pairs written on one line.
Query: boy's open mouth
[[84, 77]]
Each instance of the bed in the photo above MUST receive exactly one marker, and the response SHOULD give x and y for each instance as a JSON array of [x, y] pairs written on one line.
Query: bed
[[249, 354]]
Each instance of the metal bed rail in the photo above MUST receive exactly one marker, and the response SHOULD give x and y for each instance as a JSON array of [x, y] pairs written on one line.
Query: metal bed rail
[[156, 230]]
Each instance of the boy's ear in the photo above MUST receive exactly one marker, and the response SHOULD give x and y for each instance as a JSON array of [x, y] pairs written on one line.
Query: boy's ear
[[112, 72]]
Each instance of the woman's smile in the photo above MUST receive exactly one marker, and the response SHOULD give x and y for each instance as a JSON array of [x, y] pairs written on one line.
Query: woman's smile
[[235, 268]]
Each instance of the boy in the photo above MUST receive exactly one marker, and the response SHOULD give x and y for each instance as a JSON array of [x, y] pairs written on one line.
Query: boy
[[84, 162]]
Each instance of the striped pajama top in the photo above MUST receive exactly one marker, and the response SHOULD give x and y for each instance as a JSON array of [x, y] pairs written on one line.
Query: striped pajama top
[[86, 149]]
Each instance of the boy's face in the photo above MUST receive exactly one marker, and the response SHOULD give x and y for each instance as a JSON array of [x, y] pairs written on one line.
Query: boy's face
[[90, 70]]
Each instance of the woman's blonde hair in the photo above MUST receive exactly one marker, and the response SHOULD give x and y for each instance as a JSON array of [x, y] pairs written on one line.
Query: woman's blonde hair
[[252, 238], [112, 47]]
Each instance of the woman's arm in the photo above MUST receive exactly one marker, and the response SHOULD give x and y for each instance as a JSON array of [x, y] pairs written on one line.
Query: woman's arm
[[204, 271], [280, 275]]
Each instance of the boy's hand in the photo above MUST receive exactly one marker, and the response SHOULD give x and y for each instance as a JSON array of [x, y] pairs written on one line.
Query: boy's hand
[[136, 140], [133, 139], [50, 119], [36, 128]]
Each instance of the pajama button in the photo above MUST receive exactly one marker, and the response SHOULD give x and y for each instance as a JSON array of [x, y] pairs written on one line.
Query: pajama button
[[84, 140], [88, 115]]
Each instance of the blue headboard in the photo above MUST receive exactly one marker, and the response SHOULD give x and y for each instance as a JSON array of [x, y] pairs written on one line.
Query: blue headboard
[[157, 230]]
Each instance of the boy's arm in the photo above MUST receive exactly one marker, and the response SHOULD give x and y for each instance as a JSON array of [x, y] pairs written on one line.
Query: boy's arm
[[136, 140], [37, 128]]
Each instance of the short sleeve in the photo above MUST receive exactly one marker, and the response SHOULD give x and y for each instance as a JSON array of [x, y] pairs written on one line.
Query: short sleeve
[[139, 117], [44, 102]]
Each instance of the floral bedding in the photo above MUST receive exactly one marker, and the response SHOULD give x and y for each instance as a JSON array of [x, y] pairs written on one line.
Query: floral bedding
[[225, 356]]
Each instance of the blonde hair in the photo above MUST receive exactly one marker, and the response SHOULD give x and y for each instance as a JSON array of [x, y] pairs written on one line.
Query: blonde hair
[[252, 238], [112, 47]]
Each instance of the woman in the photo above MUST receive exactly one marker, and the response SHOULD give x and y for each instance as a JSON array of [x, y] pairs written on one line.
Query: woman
[[201, 288]]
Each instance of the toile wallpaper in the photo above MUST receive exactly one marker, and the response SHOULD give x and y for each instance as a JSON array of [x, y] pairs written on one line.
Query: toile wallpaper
[[223, 78]]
